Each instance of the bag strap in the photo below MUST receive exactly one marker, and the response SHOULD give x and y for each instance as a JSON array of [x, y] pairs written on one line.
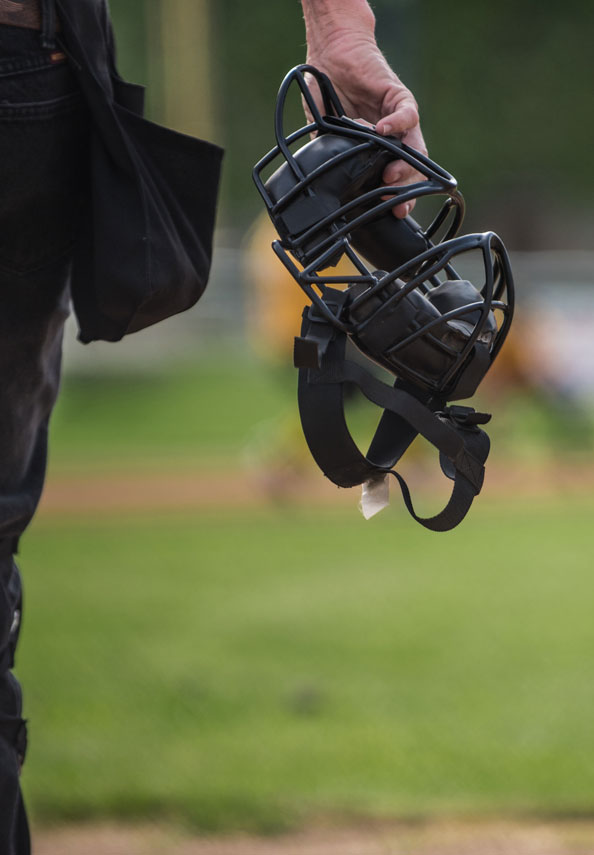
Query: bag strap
[[320, 355], [86, 39], [48, 24]]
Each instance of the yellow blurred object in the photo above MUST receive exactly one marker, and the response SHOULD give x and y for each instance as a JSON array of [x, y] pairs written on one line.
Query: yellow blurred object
[[180, 35], [275, 306], [276, 300]]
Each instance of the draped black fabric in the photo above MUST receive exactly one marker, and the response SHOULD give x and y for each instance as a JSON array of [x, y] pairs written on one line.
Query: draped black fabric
[[145, 245]]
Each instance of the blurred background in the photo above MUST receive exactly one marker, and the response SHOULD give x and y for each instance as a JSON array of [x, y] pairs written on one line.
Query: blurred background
[[214, 637]]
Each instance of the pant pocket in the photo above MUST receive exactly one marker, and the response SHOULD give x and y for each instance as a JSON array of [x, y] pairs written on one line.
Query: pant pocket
[[43, 168]]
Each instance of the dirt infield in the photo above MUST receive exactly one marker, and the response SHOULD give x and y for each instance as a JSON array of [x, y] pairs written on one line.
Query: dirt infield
[[143, 490], [439, 838]]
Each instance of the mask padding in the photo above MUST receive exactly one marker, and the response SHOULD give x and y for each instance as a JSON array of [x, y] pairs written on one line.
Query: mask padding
[[335, 186], [389, 242], [394, 323], [455, 294]]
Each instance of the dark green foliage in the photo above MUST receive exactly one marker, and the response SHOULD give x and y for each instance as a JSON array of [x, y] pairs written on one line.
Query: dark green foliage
[[504, 91], [509, 84], [257, 44], [129, 22]]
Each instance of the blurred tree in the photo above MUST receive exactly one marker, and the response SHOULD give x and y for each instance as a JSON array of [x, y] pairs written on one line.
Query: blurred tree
[[504, 91], [129, 18], [256, 44], [166, 44], [188, 102]]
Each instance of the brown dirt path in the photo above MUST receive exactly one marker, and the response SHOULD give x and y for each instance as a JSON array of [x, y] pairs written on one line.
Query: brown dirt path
[[438, 838], [145, 490]]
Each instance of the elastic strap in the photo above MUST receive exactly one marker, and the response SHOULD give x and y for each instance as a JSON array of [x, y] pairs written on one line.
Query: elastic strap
[[460, 501], [453, 431]]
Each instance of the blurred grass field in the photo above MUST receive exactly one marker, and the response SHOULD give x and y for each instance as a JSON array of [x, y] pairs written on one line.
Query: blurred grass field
[[202, 413], [217, 412], [253, 669]]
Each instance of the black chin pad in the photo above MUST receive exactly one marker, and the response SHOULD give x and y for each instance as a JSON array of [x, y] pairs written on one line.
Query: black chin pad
[[457, 293], [396, 320], [384, 321], [380, 331]]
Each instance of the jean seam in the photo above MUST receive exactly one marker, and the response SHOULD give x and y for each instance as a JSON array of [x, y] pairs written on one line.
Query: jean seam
[[24, 64], [40, 109]]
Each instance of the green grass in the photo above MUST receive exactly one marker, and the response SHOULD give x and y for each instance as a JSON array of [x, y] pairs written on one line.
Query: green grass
[[253, 670], [232, 410], [203, 414]]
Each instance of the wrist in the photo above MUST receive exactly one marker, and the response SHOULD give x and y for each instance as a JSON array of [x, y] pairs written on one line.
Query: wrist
[[336, 19]]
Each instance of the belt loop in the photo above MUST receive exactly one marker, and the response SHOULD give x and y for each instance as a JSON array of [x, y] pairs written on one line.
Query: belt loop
[[48, 24]]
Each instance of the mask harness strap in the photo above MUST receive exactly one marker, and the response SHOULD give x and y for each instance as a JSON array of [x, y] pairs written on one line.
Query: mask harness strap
[[323, 371]]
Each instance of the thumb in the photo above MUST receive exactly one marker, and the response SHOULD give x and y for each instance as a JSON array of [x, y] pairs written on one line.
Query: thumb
[[401, 116]]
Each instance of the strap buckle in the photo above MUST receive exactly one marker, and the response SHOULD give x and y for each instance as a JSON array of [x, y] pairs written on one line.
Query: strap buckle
[[310, 349], [464, 417]]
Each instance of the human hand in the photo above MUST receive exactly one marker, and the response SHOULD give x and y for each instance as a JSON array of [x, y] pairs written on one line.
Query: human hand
[[364, 82]]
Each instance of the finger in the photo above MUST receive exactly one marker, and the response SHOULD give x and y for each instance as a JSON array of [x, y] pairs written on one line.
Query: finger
[[401, 115], [414, 138], [399, 172], [396, 172], [402, 209]]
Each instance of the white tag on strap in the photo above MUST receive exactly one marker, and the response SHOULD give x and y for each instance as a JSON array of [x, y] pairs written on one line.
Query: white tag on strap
[[375, 496]]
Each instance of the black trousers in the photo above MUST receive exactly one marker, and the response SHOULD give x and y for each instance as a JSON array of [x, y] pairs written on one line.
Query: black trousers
[[43, 183]]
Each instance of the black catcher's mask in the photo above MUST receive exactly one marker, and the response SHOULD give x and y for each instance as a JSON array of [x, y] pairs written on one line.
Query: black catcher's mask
[[402, 303]]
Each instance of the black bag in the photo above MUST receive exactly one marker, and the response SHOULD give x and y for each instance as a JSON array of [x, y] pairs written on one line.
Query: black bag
[[145, 245]]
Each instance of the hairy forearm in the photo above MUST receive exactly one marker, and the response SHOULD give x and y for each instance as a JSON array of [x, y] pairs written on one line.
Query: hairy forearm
[[341, 43], [329, 18]]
